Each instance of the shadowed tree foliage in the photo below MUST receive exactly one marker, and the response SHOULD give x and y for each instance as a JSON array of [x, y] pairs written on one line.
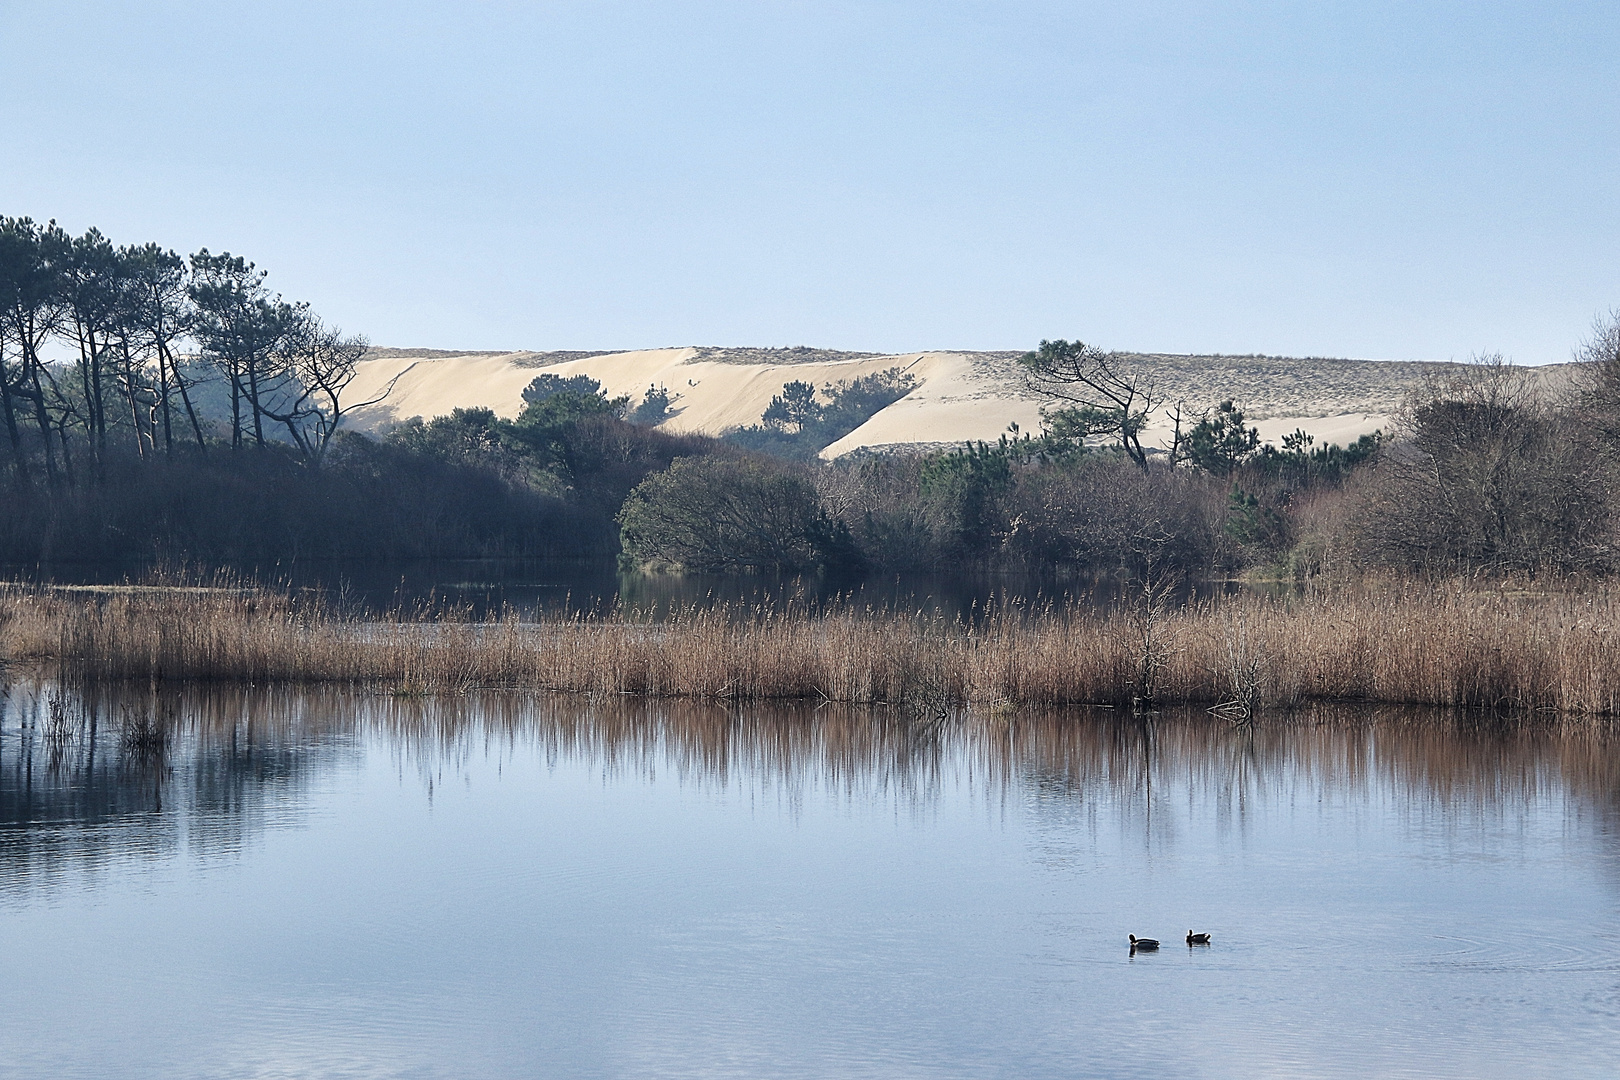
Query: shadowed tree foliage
[[794, 409], [239, 325], [160, 316], [259, 510], [963, 492], [549, 385], [31, 267], [653, 409], [728, 513]]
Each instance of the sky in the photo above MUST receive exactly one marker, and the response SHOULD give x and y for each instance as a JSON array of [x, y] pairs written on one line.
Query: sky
[[1387, 180]]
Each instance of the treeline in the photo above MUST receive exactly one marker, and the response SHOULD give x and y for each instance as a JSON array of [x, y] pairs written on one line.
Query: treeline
[[1021, 503], [1483, 471], [144, 331], [160, 407], [802, 421]]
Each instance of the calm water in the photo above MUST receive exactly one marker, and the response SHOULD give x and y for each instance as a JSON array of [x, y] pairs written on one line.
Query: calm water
[[345, 886]]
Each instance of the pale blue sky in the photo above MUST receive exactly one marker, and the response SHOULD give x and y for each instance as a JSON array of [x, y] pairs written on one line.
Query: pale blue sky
[[1375, 179]]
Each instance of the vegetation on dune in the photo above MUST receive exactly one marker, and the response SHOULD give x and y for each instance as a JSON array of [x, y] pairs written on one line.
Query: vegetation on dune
[[802, 421], [654, 407], [1098, 394]]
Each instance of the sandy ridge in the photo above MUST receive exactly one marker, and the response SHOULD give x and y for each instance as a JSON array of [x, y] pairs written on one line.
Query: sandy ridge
[[960, 395]]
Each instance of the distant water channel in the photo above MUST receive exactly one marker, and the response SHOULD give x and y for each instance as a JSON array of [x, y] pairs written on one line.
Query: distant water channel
[[490, 587], [257, 883]]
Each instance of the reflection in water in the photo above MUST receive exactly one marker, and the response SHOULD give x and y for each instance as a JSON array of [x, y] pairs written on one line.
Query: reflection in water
[[117, 773], [283, 882]]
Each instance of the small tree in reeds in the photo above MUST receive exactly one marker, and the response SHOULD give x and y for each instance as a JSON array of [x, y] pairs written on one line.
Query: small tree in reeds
[[1148, 612], [1244, 666]]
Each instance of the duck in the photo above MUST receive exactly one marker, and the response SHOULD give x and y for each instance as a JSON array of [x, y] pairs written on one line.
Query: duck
[[1146, 943], [1197, 939]]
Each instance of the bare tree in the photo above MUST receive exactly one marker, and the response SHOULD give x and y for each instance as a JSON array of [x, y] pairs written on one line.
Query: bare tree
[[1598, 377], [315, 363], [1103, 399], [1487, 474]]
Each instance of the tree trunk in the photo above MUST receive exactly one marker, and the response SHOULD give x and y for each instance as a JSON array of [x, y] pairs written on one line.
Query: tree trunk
[[236, 408], [164, 391], [134, 404], [253, 399], [67, 452], [31, 364], [191, 413], [99, 410], [19, 463], [89, 392]]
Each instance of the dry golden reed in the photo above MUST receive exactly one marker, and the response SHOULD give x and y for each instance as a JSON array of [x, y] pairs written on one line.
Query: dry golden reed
[[1388, 641]]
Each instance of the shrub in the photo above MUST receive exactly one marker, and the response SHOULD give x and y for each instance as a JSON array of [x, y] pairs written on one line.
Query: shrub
[[1103, 513], [1488, 476], [715, 513], [653, 409]]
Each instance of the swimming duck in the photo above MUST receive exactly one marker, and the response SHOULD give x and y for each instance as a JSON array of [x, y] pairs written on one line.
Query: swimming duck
[[1197, 939], [1145, 943]]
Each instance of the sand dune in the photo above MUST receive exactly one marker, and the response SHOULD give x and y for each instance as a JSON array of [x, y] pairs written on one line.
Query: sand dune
[[960, 396]]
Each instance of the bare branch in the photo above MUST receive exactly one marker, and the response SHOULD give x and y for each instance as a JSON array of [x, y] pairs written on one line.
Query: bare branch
[[1103, 397]]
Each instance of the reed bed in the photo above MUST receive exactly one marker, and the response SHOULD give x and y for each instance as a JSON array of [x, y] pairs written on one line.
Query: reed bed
[[1386, 641]]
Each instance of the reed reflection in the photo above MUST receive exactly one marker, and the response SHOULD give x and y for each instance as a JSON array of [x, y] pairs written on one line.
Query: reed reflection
[[1428, 770], [104, 775], [112, 773]]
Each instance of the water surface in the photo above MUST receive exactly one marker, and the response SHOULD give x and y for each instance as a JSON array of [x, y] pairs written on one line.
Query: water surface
[[533, 587], [323, 884]]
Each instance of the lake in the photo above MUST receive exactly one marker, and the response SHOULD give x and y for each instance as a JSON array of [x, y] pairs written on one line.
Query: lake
[[260, 883]]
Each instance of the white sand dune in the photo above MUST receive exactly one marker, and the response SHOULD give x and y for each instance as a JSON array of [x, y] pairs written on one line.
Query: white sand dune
[[960, 396], [427, 388], [949, 404]]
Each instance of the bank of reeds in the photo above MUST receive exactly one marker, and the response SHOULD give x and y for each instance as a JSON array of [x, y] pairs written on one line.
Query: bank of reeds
[[1381, 641]]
